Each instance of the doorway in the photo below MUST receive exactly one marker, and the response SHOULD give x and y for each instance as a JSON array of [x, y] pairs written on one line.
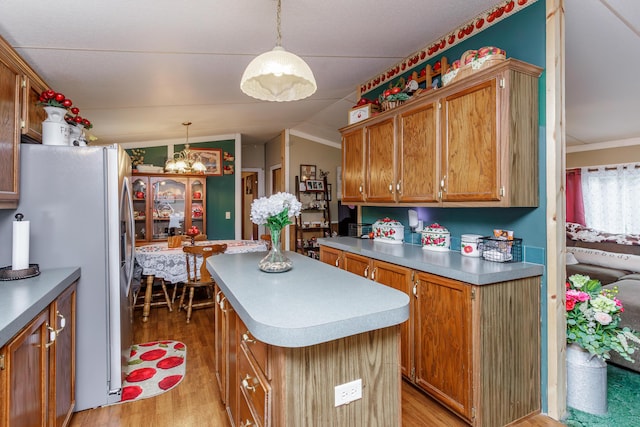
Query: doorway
[[249, 194]]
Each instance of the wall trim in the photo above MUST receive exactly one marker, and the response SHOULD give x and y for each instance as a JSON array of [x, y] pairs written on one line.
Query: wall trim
[[315, 138], [603, 145]]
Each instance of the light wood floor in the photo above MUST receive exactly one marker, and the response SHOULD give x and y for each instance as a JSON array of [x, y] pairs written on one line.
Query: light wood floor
[[196, 401]]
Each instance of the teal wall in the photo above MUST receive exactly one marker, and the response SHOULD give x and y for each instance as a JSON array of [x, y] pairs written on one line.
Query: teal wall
[[522, 36]]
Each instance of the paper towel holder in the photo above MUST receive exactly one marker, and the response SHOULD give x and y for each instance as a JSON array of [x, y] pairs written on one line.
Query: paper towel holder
[[6, 273]]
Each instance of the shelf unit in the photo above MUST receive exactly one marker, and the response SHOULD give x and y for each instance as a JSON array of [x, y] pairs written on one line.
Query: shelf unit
[[315, 217]]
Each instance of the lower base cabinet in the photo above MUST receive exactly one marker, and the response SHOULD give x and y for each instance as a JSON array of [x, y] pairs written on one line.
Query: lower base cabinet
[[291, 387], [37, 368], [475, 349]]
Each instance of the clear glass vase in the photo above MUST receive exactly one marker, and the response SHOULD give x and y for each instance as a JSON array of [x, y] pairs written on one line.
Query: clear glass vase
[[275, 261]]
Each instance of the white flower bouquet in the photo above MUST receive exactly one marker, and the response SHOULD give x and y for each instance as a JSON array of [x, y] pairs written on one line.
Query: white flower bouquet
[[275, 211]]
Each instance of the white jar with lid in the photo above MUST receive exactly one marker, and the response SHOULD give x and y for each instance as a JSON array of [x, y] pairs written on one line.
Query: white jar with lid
[[470, 245]]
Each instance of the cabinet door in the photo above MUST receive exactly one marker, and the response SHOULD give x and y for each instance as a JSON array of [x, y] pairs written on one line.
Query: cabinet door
[[380, 179], [169, 205], [62, 359], [220, 359], [141, 210], [353, 166], [331, 256], [33, 113], [470, 144], [357, 264], [197, 201], [418, 168], [9, 134], [24, 376], [443, 341], [398, 278]]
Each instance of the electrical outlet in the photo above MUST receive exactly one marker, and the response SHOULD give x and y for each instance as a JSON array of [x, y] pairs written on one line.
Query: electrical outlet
[[227, 215], [348, 392]]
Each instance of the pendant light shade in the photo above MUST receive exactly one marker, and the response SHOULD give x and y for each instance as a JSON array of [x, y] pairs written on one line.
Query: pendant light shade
[[278, 75]]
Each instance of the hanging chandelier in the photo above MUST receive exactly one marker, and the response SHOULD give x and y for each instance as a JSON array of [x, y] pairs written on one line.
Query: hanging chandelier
[[278, 75], [186, 161]]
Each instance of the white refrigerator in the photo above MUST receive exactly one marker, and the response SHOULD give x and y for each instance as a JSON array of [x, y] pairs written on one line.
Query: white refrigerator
[[78, 202]]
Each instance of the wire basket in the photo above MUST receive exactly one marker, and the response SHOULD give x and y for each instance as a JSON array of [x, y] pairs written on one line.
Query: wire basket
[[357, 230], [501, 250]]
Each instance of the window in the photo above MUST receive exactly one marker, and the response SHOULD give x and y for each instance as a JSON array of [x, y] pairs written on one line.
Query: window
[[612, 198]]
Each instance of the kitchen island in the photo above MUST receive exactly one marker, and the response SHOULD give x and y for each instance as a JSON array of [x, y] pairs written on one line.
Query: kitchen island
[[290, 338]]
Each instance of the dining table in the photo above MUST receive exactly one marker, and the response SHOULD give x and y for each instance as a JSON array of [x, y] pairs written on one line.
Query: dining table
[[158, 260]]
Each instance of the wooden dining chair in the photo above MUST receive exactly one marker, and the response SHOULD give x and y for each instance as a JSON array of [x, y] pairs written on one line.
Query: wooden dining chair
[[266, 238], [198, 277], [199, 238]]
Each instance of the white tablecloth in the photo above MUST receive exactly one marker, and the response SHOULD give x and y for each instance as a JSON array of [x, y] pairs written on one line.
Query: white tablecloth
[[170, 264]]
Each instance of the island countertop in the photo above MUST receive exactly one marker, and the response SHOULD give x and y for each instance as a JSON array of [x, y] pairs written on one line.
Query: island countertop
[[22, 300], [310, 304], [450, 264]]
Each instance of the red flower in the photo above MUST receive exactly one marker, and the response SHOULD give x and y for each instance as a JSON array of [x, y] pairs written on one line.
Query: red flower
[[570, 304]]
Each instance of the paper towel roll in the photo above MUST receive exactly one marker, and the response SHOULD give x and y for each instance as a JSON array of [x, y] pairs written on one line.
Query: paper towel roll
[[20, 245]]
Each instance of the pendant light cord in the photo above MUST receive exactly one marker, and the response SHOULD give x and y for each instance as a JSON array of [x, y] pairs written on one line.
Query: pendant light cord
[[278, 10]]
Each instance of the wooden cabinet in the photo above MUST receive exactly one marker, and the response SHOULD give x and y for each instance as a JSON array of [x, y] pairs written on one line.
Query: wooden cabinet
[[225, 352], [167, 204], [37, 368], [443, 364], [475, 349], [10, 78], [473, 143], [62, 358], [33, 114], [380, 164], [353, 166]]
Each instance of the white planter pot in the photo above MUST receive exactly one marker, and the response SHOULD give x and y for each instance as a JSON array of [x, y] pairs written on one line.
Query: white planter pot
[[586, 381], [55, 130]]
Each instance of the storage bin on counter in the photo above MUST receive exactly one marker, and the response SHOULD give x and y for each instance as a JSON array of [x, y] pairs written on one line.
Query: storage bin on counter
[[501, 250]]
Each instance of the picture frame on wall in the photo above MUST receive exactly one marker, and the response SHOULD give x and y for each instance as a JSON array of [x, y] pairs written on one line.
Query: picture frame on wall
[[212, 160], [307, 172]]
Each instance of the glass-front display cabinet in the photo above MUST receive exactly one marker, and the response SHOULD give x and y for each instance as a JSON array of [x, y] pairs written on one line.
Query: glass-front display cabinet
[[140, 190], [173, 204]]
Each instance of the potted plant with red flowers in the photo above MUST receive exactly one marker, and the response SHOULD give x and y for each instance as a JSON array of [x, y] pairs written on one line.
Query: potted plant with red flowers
[[78, 125], [54, 128]]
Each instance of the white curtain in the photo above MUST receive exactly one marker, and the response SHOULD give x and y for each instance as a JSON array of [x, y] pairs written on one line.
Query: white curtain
[[612, 198]]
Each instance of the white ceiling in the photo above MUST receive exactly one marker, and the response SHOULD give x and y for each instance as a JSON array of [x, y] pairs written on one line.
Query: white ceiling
[[139, 68]]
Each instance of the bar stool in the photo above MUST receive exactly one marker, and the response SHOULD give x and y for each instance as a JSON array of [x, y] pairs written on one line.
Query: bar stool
[[199, 277]]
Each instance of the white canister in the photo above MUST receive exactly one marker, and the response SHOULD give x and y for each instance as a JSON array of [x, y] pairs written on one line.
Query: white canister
[[470, 245]]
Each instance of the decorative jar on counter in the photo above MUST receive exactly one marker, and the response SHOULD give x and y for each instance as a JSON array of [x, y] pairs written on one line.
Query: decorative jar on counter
[[470, 245], [388, 230], [436, 238]]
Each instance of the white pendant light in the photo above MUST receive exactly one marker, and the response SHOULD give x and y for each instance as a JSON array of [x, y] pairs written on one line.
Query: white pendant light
[[278, 75]]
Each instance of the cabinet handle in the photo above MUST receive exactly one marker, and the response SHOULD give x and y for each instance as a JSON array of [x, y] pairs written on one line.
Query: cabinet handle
[[373, 274], [399, 187], [338, 262], [52, 336], [218, 297], [246, 385], [63, 322], [360, 188], [391, 188], [224, 310], [366, 272], [442, 182], [246, 423], [246, 337], [415, 290]]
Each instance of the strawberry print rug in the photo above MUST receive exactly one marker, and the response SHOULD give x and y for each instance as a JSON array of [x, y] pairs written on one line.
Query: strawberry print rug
[[153, 368]]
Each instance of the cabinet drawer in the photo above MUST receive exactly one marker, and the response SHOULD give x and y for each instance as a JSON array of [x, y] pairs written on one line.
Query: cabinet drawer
[[255, 387], [246, 418], [255, 348]]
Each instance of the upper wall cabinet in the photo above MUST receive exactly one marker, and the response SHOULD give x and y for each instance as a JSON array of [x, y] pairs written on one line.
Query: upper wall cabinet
[[32, 113], [473, 143], [9, 132]]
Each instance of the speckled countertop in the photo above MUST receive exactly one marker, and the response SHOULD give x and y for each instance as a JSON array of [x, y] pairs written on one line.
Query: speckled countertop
[[450, 264], [22, 300], [310, 304]]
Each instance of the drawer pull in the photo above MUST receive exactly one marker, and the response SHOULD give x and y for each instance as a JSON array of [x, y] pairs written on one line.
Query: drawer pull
[[52, 336], [391, 188], [415, 290], [366, 272], [63, 322], [246, 385], [247, 338]]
